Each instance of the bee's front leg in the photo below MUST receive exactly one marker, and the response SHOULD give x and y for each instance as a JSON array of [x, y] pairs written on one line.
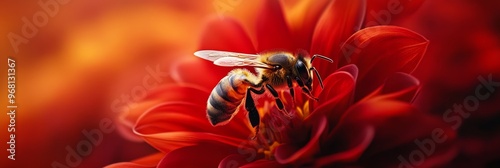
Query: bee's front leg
[[305, 90], [279, 103]]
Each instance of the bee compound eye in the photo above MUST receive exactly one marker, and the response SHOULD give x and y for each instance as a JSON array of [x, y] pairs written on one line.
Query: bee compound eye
[[302, 70]]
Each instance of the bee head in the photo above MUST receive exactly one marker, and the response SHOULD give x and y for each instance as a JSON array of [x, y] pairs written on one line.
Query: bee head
[[302, 68], [305, 70]]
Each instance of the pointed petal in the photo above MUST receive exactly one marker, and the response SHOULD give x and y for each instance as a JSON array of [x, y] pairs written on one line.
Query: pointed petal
[[289, 153], [339, 21], [272, 30], [381, 51]]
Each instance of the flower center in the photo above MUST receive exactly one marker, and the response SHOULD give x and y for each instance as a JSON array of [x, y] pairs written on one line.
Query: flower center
[[276, 125]]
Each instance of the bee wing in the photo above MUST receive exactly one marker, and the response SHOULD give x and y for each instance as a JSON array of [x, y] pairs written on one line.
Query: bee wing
[[213, 55], [234, 61]]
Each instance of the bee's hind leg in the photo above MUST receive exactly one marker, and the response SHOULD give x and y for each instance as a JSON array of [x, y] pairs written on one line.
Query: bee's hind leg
[[253, 113]]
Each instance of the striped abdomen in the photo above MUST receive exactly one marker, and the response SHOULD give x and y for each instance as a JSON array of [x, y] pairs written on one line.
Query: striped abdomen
[[226, 97]]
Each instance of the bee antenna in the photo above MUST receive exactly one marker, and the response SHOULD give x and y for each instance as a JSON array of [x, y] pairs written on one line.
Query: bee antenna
[[319, 77], [322, 57]]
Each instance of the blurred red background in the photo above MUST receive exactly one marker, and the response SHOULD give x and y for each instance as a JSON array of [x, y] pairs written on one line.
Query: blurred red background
[[91, 53]]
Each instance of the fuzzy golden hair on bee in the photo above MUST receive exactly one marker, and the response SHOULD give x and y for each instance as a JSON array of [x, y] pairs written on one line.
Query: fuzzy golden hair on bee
[[275, 70]]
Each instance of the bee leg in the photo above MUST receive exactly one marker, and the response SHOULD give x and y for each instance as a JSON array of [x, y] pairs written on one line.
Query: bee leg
[[253, 114], [290, 86], [305, 90], [257, 85], [279, 103]]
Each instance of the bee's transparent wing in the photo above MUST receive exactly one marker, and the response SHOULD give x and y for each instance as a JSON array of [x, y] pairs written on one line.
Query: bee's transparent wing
[[233, 61], [213, 55]]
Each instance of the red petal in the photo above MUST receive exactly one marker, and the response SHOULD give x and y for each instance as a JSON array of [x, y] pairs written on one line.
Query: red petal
[[399, 86], [351, 69], [167, 93], [339, 21], [302, 18], [379, 52], [175, 124], [125, 128], [202, 155], [272, 30], [196, 71], [168, 141], [337, 95], [219, 34], [239, 160], [226, 35], [348, 73], [234, 160], [352, 153], [288, 153], [384, 12], [399, 81], [150, 161]]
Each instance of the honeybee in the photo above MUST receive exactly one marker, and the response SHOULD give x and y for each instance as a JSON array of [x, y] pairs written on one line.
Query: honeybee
[[274, 70]]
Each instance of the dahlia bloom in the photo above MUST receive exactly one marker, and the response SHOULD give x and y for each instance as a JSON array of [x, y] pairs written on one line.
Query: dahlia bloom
[[364, 115]]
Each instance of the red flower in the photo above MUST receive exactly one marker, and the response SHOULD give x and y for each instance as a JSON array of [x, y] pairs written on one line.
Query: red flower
[[364, 116]]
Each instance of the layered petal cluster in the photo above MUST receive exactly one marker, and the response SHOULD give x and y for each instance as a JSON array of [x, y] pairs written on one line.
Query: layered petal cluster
[[364, 115]]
